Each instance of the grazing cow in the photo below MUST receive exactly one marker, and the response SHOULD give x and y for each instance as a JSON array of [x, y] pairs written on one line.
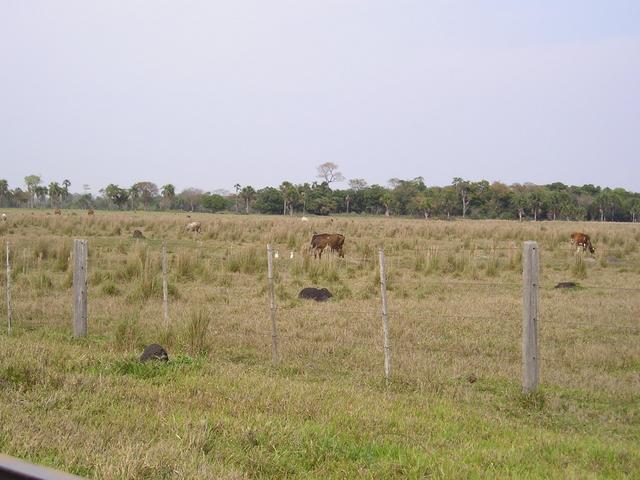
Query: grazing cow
[[320, 241], [137, 234], [57, 211], [193, 227], [90, 212], [582, 240], [3, 217], [304, 219]]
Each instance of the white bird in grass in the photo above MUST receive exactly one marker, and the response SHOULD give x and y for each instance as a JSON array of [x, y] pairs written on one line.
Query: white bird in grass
[[291, 254], [276, 255]]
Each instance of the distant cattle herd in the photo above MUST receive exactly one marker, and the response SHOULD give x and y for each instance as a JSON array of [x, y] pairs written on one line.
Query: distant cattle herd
[[335, 241]]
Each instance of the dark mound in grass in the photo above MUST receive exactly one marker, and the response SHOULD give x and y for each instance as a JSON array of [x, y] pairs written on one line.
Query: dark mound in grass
[[317, 294], [154, 352]]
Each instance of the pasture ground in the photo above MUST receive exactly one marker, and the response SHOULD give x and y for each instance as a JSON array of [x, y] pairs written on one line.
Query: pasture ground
[[219, 409]]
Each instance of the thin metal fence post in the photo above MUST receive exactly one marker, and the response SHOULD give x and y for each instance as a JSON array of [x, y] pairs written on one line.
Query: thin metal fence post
[[272, 302], [165, 286], [9, 310], [530, 347]]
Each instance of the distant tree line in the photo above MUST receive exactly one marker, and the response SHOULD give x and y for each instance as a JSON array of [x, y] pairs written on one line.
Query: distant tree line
[[462, 198]]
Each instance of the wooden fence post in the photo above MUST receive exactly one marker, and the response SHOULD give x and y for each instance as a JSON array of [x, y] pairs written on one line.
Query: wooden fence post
[[272, 301], [9, 311], [80, 288], [165, 286], [530, 348], [385, 318]]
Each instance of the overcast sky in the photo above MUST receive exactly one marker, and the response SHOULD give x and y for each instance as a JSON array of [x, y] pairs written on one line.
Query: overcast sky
[[210, 93]]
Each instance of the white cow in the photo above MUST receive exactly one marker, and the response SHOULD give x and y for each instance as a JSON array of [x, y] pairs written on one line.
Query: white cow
[[193, 227], [304, 219], [3, 217]]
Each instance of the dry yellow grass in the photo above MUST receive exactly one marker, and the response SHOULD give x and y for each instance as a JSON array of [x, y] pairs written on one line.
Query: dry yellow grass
[[455, 311]]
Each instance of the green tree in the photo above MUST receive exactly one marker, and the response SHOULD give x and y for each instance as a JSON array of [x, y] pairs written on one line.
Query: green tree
[[422, 203], [521, 203], [537, 200], [214, 202], [463, 189], [32, 182], [145, 191], [269, 200], [116, 195], [634, 208], [403, 193], [445, 200]]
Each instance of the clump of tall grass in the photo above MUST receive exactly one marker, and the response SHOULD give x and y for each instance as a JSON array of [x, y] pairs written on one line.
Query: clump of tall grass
[[579, 268], [457, 263], [514, 260], [432, 261], [493, 265], [128, 334], [39, 281], [146, 286], [109, 288], [247, 261], [322, 270], [196, 333]]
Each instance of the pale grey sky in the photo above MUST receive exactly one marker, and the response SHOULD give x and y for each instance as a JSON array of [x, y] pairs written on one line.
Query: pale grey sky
[[210, 93]]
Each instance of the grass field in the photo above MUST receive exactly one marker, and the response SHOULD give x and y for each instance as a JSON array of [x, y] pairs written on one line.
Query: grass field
[[219, 409]]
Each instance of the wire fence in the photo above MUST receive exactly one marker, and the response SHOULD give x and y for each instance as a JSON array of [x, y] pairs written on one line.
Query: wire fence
[[34, 260]]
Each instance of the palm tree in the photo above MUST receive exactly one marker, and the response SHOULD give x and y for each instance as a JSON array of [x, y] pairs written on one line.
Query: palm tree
[[385, 200], [237, 188], [248, 193], [55, 193], [168, 193], [4, 190]]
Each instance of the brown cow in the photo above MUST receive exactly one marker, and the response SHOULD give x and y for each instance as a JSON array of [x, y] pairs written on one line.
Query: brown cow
[[582, 240], [320, 241], [90, 212], [57, 211]]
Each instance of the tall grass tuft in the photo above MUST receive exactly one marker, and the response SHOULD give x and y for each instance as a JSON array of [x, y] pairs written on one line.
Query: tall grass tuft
[[247, 261], [128, 335], [196, 333], [579, 268]]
